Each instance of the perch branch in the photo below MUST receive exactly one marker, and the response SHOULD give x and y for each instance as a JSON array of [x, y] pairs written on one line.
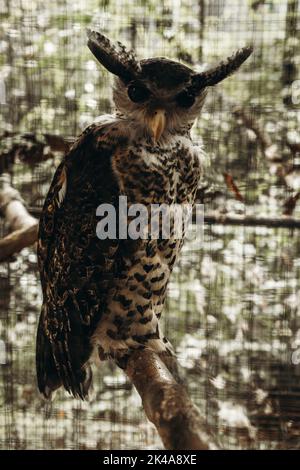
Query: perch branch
[[22, 225], [167, 404]]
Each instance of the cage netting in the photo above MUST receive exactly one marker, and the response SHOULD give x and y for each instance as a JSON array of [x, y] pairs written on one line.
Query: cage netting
[[233, 302]]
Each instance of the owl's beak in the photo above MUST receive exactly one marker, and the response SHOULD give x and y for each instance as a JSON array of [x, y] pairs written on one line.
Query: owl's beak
[[157, 123]]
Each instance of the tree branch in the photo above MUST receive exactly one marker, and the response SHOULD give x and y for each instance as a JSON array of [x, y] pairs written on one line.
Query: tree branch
[[167, 404], [22, 225], [251, 220]]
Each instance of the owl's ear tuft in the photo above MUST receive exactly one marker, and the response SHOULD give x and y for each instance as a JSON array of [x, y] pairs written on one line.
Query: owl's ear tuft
[[223, 70], [115, 58]]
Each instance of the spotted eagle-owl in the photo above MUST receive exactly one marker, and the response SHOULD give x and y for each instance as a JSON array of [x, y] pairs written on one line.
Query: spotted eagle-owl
[[104, 297]]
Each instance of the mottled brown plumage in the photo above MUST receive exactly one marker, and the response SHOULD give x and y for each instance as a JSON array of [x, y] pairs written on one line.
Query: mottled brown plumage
[[104, 298]]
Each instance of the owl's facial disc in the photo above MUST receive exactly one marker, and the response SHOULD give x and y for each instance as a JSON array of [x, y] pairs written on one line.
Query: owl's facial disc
[[157, 109]]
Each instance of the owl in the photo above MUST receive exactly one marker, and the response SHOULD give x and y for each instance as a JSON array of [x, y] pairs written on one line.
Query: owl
[[103, 297]]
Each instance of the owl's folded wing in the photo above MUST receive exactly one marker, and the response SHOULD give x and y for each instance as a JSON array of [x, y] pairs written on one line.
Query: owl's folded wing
[[76, 267]]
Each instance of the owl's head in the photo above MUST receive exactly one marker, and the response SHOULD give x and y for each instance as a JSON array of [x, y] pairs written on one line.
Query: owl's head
[[158, 94]]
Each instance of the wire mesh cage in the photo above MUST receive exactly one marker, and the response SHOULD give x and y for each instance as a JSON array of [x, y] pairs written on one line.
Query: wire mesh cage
[[232, 310]]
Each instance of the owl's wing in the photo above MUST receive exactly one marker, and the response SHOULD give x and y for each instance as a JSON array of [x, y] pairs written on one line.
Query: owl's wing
[[75, 266]]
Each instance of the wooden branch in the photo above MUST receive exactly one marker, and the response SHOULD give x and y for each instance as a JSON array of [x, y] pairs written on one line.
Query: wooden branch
[[251, 221], [22, 225], [167, 404], [17, 240]]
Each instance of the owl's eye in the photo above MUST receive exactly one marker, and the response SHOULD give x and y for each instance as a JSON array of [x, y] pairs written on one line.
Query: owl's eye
[[185, 99], [138, 93]]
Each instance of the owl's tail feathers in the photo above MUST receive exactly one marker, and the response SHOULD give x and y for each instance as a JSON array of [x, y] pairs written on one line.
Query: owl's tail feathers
[[58, 364], [47, 375]]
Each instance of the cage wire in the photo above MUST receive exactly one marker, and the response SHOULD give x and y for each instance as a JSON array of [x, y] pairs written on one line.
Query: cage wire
[[233, 301]]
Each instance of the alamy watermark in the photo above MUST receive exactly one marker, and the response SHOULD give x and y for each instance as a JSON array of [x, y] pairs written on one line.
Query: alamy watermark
[[152, 221]]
